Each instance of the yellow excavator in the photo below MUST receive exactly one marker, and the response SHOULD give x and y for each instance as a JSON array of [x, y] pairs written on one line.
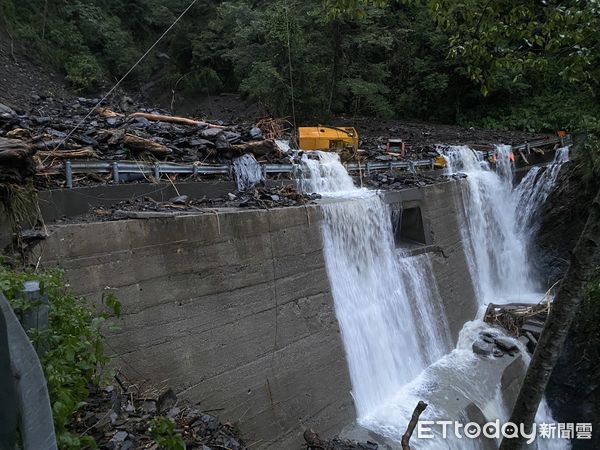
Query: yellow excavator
[[325, 138]]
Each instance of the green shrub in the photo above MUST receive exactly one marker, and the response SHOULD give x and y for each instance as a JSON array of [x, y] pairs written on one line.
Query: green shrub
[[75, 346], [163, 432], [83, 71]]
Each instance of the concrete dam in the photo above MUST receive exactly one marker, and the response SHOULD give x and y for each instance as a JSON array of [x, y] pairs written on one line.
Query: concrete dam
[[338, 316]]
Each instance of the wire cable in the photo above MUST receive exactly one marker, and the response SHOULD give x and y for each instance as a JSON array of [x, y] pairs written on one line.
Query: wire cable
[[126, 74]]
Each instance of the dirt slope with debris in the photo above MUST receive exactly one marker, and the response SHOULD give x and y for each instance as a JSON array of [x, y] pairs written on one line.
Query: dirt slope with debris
[[23, 79]]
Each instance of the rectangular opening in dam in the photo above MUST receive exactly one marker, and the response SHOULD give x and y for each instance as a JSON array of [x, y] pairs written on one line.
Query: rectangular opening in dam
[[408, 226]]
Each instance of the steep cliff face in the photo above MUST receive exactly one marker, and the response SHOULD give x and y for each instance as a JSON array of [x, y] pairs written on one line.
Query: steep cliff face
[[561, 221], [574, 389]]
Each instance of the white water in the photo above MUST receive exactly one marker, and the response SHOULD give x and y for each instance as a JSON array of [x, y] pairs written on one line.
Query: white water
[[496, 251], [388, 305], [325, 174], [496, 238], [534, 189], [248, 172], [382, 298]]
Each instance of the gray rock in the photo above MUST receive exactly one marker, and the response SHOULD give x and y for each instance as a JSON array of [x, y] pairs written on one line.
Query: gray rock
[[174, 412], [120, 436], [200, 143], [166, 401], [505, 343], [6, 110], [231, 196], [148, 406], [232, 137], [222, 143], [180, 200], [483, 348], [256, 133], [488, 339], [211, 133]]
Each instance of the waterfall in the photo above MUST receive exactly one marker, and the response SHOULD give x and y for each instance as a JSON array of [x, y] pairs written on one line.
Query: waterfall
[[326, 175], [386, 303], [534, 189], [496, 251], [248, 172]]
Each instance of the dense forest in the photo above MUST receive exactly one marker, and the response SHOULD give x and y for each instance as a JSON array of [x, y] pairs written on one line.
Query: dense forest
[[516, 65]]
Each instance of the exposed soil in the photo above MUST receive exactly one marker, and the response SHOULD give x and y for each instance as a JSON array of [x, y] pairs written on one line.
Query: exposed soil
[[23, 79]]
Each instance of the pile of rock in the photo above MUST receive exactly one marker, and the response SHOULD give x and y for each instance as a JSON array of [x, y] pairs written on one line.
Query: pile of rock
[[60, 130], [395, 180], [148, 208], [123, 419], [314, 442], [493, 343]]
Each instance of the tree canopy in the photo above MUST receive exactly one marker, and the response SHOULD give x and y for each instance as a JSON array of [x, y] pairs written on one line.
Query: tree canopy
[[529, 65]]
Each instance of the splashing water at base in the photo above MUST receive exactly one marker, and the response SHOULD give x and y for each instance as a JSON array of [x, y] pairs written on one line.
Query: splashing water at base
[[388, 306]]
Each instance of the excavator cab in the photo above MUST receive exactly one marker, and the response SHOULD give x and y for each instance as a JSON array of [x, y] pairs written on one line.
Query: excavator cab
[[327, 138]]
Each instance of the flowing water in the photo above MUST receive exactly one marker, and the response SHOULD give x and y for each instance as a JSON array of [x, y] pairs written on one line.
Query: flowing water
[[534, 189], [388, 304], [248, 172], [496, 251]]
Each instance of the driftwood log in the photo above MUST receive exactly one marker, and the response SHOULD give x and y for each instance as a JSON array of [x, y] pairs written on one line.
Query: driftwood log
[[174, 119], [139, 144], [412, 424], [16, 161], [106, 112], [83, 152], [258, 148]]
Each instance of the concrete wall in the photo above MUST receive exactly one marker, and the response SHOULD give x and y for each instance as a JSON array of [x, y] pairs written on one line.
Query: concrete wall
[[440, 206], [231, 310]]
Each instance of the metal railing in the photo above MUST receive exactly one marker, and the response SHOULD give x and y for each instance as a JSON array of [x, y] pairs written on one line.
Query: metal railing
[[117, 168]]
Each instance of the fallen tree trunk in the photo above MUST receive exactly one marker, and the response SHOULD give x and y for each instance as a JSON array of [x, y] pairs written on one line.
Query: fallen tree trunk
[[174, 119], [106, 112], [84, 152], [141, 144], [258, 148], [16, 161]]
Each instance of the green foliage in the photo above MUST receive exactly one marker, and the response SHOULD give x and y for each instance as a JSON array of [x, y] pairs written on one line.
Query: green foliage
[[83, 71], [503, 63], [75, 346], [495, 39], [164, 434]]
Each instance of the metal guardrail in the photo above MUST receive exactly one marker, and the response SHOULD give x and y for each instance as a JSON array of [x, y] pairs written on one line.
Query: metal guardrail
[[25, 402], [130, 167]]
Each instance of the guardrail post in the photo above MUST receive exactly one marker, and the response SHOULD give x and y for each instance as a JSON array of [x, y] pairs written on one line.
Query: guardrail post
[[35, 316], [115, 171], [195, 171], [157, 172], [527, 148], [69, 174]]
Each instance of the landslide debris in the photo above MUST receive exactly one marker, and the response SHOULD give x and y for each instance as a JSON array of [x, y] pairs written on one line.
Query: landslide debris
[[124, 417], [146, 207]]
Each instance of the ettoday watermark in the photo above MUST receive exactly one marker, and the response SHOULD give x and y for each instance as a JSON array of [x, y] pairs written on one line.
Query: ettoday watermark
[[428, 429]]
